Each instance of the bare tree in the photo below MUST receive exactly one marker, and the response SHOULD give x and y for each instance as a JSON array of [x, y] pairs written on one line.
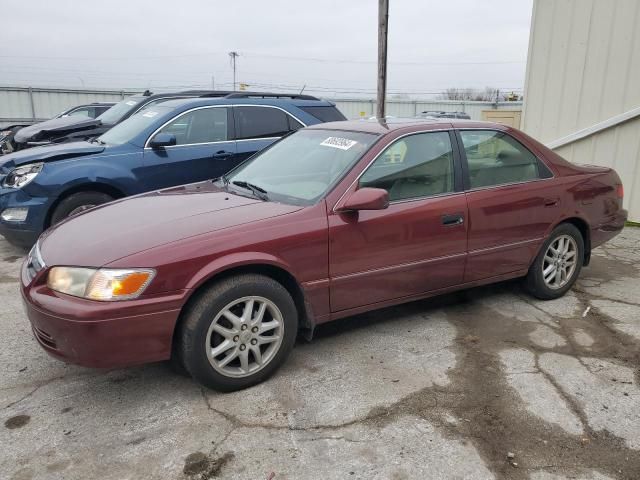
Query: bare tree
[[489, 94]]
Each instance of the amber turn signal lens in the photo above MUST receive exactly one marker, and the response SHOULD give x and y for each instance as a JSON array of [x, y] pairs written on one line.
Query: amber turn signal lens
[[109, 284], [130, 284]]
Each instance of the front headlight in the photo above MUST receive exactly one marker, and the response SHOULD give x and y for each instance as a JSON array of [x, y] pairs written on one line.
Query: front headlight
[[100, 284], [20, 176]]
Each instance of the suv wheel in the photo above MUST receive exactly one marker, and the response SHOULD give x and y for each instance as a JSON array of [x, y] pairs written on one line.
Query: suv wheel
[[78, 202], [238, 332], [558, 264]]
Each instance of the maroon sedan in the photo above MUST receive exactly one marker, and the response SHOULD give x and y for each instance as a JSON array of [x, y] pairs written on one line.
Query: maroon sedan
[[334, 220]]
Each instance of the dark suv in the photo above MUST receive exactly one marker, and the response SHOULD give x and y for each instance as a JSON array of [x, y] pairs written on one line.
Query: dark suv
[[73, 128], [170, 143]]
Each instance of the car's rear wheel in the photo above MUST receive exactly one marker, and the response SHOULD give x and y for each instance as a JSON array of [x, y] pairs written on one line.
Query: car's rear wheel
[[558, 264], [238, 332], [77, 203]]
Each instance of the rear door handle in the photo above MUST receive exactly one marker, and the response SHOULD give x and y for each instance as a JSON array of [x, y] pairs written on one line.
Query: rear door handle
[[550, 202], [454, 219], [222, 154]]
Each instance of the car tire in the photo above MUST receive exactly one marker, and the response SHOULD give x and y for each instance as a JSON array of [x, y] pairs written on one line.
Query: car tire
[[78, 202], [552, 274], [217, 325]]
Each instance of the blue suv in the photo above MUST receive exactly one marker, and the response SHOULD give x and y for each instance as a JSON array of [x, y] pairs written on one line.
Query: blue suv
[[168, 144]]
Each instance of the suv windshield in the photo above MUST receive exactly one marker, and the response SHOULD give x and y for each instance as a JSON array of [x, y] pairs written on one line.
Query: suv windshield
[[119, 110], [302, 167], [126, 131]]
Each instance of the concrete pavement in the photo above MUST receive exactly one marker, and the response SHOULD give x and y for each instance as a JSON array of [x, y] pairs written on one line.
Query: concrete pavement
[[482, 384]]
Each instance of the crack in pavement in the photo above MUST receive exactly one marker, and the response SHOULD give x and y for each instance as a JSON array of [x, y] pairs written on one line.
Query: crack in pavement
[[488, 411]]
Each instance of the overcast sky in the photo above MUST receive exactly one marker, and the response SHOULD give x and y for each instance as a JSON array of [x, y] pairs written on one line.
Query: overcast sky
[[328, 45]]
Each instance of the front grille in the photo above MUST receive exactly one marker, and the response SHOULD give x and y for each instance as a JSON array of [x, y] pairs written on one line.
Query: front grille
[[44, 338]]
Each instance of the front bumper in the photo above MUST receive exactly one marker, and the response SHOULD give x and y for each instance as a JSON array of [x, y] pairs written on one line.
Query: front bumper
[[100, 334], [23, 234]]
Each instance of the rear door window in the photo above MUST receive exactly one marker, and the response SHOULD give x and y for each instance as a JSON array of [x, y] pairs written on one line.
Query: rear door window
[[263, 122], [495, 158]]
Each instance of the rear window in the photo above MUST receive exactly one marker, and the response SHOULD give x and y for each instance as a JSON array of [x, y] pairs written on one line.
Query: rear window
[[325, 114]]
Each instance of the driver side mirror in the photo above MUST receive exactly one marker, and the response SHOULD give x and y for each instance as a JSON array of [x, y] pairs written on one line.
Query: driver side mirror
[[162, 140], [366, 199]]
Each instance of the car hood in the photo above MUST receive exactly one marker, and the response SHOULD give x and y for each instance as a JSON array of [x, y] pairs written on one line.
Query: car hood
[[132, 225], [49, 153], [56, 126]]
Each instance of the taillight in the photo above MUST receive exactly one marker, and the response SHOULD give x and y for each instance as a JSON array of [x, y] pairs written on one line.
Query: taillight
[[620, 191]]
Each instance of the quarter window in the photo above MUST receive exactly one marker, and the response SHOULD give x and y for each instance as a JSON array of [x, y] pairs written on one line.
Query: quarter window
[[204, 125], [495, 158], [419, 165], [263, 122]]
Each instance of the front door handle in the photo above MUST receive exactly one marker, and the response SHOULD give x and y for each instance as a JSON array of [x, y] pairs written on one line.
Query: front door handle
[[454, 219], [551, 202], [222, 154]]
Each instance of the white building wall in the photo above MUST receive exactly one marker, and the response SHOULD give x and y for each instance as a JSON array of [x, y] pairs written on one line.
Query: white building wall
[[584, 68]]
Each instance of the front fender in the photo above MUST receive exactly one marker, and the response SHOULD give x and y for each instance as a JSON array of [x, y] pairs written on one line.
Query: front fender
[[116, 171], [235, 260]]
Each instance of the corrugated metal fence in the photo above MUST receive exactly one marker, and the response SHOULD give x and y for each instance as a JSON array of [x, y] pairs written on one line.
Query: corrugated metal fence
[[356, 108], [26, 104]]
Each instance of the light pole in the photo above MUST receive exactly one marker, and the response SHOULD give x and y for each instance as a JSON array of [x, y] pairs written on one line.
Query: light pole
[[383, 30], [233, 56]]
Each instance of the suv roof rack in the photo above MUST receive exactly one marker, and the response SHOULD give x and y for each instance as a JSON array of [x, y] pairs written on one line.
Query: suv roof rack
[[206, 93], [293, 96]]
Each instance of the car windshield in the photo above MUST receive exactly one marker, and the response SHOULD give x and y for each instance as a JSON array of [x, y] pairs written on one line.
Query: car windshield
[[126, 131], [119, 110], [302, 167]]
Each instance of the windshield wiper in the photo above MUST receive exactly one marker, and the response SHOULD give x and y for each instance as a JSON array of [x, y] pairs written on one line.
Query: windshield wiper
[[97, 140], [259, 192]]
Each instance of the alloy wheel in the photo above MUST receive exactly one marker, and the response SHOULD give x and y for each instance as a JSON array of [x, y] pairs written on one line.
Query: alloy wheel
[[559, 263], [80, 209], [244, 336]]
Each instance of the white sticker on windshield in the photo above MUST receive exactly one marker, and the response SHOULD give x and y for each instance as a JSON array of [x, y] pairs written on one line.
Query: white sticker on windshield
[[150, 114], [337, 142], [131, 103]]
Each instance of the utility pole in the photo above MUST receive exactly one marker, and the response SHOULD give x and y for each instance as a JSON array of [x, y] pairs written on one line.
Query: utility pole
[[213, 82], [233, 56], [383, 30]]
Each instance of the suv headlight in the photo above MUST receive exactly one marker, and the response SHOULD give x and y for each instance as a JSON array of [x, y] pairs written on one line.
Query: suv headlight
[[20, 176], [100, 284]]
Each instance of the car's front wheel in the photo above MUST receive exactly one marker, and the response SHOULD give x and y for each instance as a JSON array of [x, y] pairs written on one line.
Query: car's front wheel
[[558, 264], [77, 203], [237, 332]]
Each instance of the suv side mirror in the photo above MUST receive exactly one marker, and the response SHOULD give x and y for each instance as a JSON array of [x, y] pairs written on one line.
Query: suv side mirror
[[162, 140], [367, 199]]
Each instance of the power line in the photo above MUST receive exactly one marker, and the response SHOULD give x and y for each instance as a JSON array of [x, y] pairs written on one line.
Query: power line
[[281, 57], [373, 62]]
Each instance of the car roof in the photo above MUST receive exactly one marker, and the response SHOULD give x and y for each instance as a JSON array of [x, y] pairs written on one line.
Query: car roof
[[407, 124], [205, 101]]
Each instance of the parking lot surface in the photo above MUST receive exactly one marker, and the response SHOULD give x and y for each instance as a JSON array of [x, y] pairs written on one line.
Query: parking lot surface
[[482, 384]]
